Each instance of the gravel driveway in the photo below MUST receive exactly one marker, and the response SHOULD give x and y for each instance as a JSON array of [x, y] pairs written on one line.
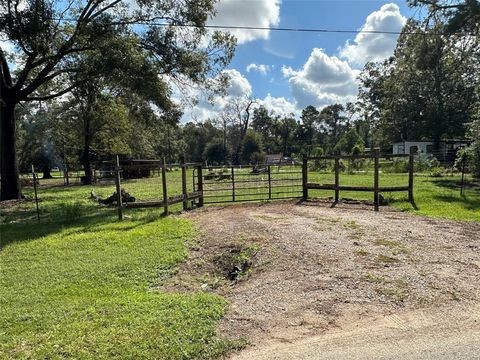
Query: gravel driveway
[[317, 269]]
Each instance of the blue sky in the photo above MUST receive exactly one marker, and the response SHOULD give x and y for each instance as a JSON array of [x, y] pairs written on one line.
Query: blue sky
[[285, 71]]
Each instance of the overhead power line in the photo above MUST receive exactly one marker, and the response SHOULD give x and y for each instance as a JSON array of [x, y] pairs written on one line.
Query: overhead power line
[[263, 28], [259, 28]]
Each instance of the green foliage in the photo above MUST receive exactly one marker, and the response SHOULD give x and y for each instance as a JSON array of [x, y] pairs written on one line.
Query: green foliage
[[426, 90], [215, 153], [474, 149], [350, 142], [69, 212], [257, 158], [252, 143]]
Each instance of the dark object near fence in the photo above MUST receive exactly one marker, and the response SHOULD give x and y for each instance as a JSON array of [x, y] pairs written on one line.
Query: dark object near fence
[[112, 199]]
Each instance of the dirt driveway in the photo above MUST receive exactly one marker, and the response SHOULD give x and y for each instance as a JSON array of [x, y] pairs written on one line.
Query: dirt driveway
[[306, 270]]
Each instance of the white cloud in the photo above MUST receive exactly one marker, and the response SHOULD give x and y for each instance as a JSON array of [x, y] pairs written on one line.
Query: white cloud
[[323, 80], [371, 46], [279, 105], [238, 88], [261, 68], [238, 85], [252, 13]]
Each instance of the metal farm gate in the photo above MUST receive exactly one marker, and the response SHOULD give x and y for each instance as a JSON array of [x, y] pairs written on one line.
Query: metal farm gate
[[223, 184]]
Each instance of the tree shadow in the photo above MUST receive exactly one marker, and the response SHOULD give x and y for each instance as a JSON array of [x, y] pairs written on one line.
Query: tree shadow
[[468, 203], [54, 220], [454, 184]]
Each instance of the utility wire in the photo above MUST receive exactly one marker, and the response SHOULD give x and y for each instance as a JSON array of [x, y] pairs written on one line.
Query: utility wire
[[260, 28]]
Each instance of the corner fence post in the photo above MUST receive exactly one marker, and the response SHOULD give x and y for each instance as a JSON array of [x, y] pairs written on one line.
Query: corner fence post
[[337, 179], [118, 188], [305, 178], [164, 188], [269, 183], [376, 153], [200, 185], [410, 175], [184, 186], [233, 183]]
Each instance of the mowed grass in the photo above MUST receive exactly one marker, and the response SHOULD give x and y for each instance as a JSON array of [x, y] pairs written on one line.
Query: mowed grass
[[434, 196], [82, 285]]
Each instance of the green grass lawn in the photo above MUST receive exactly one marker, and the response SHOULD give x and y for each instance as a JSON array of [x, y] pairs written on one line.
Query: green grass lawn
[[82, 285], [434, 196]]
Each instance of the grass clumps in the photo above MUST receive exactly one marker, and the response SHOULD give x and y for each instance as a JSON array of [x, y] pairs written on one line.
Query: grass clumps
[[80, 284]]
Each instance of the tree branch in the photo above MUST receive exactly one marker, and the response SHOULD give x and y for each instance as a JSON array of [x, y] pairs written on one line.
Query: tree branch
[[6, 76], [50, 96]]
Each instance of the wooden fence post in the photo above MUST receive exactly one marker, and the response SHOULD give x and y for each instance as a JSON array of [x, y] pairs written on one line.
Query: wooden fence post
[[305, 179], [184, 186], [376, 154], [164, 188], [233, 183], [200, 185], [119, 188], [410, 175], [269, 183], [35, 191], [337, 179]]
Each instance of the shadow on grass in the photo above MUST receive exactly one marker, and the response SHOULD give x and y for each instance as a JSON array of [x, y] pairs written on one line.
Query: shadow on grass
[[60, 217], [468, 203], [454, 184]]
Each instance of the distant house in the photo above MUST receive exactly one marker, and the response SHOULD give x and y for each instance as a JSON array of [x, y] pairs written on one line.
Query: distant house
[[446, 151], [273, 159], [278, 159]]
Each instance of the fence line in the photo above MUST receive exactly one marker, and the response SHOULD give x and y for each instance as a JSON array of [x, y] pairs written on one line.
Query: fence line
[[376, 189]]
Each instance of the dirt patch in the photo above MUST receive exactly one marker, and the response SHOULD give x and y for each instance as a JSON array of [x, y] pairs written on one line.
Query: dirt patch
[[312, 268]]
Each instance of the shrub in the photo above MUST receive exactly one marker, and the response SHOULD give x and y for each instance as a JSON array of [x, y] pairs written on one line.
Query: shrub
[[69, 212], [437, 172]]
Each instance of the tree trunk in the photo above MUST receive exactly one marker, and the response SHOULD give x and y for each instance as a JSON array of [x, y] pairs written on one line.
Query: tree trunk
[[46, 172], [87, 165], [10, 183]]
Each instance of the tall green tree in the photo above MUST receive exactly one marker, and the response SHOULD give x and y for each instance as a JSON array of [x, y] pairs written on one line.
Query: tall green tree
[[426, 90], [252, 146], [49, 36]]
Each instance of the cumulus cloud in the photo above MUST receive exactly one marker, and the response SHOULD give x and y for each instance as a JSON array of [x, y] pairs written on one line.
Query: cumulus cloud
[[322, 80], [209, 107], [279, 105], [238, 88], [260, 68], [371, 46], [253, 13], [238, 85]]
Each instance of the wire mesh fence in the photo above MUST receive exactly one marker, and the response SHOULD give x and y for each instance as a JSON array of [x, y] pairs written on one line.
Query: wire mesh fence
[[223, 184]]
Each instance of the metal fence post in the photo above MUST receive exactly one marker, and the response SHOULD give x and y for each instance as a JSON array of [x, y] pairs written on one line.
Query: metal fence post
[[410, 175], [269, 183], [462, 183], [184, 186], [337, 179], [119, 188], [375, 179], [233, 183], [164, 188], [35, 191], [305, 178], [200, 185]]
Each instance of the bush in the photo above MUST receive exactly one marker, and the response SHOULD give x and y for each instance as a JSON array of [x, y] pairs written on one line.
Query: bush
[[69, 212], [437, 172], [397, 166], [257, 158]]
